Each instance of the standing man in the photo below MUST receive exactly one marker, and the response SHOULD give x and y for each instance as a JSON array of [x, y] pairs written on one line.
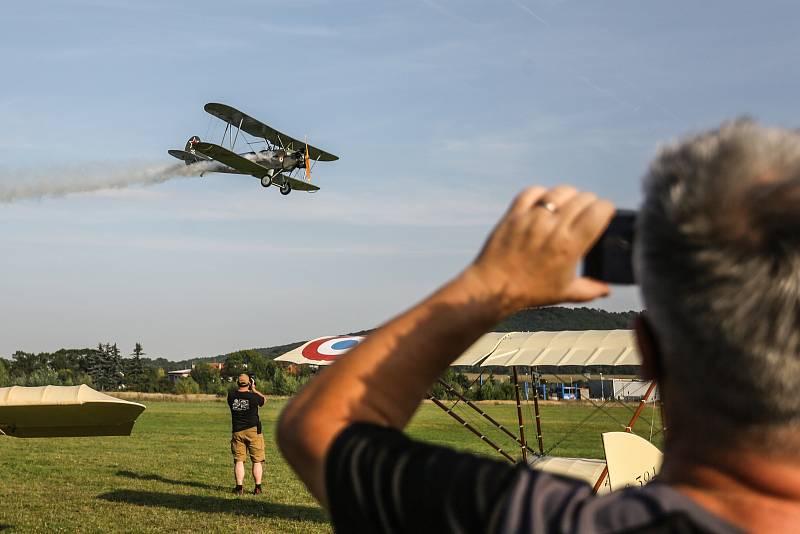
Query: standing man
[[246, 437]]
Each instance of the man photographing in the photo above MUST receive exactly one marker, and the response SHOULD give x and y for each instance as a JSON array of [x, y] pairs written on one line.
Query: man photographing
[[717, 256], [246, 437]]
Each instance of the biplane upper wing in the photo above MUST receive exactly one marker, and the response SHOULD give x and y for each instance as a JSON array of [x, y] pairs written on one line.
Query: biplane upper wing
[[256, 128], [245, 166]]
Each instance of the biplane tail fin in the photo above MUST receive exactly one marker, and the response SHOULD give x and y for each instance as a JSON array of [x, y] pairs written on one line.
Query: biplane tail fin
[[193, 140], [189, 155]]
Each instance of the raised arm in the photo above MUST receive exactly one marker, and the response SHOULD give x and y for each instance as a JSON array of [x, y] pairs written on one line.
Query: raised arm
[[530, 259], [254, 390]]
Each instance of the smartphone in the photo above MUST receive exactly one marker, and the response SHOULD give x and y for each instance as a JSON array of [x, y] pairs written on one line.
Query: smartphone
[[611, 257]]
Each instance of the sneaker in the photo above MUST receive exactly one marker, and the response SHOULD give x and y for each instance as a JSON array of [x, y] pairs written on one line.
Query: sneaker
[[257, 490], [238, 490]]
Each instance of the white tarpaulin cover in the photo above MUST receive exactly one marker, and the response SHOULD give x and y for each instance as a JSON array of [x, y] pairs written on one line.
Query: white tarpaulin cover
[[568, 351], [64, 411]]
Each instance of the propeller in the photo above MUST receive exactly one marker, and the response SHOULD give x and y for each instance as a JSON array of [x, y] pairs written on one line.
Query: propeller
[[308, 163]]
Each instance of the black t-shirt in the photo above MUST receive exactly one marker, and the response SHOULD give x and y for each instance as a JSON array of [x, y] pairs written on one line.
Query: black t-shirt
[[244, 409], [378, 480]]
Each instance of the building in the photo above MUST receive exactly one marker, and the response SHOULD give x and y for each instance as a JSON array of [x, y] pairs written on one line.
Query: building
[[628, 389], [182, 373]]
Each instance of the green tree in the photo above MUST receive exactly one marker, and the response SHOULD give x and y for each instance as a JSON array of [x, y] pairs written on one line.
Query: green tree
[[186, 386], [105, 367], [135, 372], [283, 383], [5, 375], [164, 384], [235, 364], [488, 389], [116, 370], [26, 363], [42, 377], [262, 368], [207, 377], [156, 381]]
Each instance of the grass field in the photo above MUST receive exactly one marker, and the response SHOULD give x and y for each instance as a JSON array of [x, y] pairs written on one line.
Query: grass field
[[174, 472]]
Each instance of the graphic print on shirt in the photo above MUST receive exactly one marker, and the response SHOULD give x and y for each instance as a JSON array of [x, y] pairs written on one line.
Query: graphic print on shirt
[[240, 405]]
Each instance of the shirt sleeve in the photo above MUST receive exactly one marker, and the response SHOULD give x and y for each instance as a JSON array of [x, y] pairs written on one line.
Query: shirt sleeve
[[378, 480]]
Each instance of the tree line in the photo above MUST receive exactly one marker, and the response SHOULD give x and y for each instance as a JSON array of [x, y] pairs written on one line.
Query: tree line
[[105, 368]]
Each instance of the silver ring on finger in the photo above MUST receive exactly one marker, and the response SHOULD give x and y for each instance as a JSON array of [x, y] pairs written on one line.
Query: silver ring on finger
[[549, 206]]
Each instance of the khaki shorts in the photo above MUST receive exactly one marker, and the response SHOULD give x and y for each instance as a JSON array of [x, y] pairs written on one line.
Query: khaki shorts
[[248, 441]]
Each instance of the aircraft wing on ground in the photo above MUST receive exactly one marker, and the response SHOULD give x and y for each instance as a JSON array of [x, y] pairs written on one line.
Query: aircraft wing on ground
[[578, 352], [568, 351], [585, 469], [64, 411], [256, 128]]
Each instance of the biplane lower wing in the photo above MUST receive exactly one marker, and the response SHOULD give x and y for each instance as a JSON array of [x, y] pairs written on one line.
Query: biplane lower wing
[[245, 166], [294, 183], [256, 128], [231, 159]]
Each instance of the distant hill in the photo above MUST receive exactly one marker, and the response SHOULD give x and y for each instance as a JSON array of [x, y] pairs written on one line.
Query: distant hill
[[560, 318]]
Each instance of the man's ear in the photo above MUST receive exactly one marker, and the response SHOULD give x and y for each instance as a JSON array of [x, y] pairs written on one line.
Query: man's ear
[[648, 348]]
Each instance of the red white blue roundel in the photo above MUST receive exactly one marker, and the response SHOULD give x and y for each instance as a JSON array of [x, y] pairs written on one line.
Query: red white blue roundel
[[329, 348]]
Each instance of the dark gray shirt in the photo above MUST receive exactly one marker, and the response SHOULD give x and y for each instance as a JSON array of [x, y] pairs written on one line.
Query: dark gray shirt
[[378, 480]]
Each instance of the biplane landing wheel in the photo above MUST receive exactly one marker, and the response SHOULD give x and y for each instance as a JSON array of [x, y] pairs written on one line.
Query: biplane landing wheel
[[266, 181], [286, 189]]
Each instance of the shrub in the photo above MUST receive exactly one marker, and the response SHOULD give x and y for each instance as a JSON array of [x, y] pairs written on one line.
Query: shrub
[[186, 386]]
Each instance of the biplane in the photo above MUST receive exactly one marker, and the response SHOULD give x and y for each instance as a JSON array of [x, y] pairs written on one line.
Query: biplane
[[279, 163], [630, 459]]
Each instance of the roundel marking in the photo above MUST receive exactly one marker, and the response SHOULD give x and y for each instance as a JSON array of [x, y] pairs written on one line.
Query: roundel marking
[[330, 348], [344, 344]]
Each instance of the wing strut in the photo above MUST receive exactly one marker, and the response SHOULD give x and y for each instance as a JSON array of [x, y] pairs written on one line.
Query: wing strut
[[238, 129]]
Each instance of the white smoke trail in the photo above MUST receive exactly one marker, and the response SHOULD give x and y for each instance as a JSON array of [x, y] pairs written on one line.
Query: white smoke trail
[[57, 181]]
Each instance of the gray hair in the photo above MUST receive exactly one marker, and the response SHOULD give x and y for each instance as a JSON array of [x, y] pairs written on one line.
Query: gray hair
[[718, 260]]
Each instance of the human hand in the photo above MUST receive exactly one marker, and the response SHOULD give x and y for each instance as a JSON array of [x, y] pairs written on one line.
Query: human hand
[[530, 259]]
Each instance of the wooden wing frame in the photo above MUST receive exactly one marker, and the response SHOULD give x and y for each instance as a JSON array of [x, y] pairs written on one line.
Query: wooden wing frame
[[256, 128]]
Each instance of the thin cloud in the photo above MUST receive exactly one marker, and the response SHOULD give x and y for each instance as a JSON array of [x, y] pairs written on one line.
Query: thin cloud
[[530, 12], [185, 243], [303, 30]]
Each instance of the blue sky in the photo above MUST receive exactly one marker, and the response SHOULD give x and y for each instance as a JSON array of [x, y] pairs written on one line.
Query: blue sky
[[440, 111]]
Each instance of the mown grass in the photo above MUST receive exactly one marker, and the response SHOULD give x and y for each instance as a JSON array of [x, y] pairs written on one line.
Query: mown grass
[[174, 472]]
